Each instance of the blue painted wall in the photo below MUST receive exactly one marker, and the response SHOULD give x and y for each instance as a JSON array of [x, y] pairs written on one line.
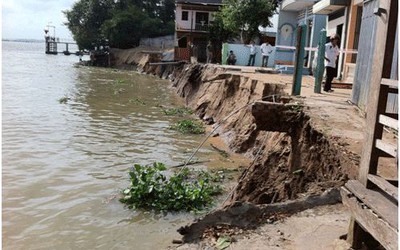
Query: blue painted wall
[[290, 18], [242, 53]]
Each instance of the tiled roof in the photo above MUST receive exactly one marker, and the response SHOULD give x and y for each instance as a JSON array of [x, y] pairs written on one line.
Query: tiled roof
[[203, 2]]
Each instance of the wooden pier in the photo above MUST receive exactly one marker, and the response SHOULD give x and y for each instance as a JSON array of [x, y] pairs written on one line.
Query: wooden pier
[[52, 44]]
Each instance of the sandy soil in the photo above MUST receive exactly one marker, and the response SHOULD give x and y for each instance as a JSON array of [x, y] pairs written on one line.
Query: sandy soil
[[313, 229]]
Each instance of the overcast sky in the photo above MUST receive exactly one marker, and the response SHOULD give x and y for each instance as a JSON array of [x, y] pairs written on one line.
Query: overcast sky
[[28, 18]]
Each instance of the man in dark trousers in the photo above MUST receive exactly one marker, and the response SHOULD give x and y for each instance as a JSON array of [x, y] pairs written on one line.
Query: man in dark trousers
[[331, 54], [231, 60], [252, 56]]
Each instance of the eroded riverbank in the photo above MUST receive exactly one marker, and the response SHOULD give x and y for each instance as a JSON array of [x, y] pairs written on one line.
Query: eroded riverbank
[[301, 147]]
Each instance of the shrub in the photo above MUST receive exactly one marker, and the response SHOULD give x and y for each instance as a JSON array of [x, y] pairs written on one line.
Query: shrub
[[189, 127], [186, 190]]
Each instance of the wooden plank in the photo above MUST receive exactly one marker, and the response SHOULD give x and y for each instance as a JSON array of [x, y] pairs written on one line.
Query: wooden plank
[[384, 185], [390, 82], [376, 201], [389, 148], [379, 229], [377, 98], [388, 121]]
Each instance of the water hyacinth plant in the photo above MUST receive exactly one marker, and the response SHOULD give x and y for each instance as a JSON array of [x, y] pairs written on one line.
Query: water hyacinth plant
[[189, 127], [186, 190], [177, 111]]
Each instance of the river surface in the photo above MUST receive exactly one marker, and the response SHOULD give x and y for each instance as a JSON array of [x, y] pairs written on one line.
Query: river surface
[[63, 165]]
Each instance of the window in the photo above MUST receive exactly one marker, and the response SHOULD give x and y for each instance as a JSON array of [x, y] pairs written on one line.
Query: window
[[185, 15], [202, 18]]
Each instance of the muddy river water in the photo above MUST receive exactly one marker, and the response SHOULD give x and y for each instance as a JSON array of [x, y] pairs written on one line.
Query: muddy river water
[[64, 164]]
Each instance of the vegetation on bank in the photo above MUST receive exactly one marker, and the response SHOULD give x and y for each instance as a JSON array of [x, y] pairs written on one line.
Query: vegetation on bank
[[121, 22], [186, 190], [177, 111], [241, 18], [189, 127]]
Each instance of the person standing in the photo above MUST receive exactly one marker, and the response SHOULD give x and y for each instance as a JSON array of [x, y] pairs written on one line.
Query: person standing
[[209, 49], [331, 54], [266, 50], [252, 56], [231, 60]]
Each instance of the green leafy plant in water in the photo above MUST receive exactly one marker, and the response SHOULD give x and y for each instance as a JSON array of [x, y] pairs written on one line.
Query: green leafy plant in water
[[120, 82], [64, 100], [186, 190], [137, 101], [189, 127], [177, 111]]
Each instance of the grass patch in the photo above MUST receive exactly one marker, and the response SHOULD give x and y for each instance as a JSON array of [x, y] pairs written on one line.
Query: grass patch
[[177, 111], [189, 127], [186, 190]]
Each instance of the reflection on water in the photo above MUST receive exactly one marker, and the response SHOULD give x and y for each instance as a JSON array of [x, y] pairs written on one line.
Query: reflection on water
[[63, 164]]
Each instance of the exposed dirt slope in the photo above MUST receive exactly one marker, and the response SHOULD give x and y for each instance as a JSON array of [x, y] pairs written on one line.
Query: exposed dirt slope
[[295, 158]]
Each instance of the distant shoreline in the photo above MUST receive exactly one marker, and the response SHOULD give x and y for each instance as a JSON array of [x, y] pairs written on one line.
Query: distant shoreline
[[23, 40]]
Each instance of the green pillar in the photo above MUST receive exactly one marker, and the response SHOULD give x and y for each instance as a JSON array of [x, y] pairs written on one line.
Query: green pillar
[[299, 61], [224, 53], [319, 70]]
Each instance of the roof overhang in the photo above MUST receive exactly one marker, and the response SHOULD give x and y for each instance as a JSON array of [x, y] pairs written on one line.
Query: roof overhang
[[326, 7], [296, 5]]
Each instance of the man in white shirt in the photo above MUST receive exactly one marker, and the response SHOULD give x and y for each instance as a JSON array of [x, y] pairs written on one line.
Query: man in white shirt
[[252, 56], [266, 50], [331, 54]]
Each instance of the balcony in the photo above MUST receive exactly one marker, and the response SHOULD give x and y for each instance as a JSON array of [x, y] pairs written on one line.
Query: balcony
[[326, 7], [296, 5], [201, 27]]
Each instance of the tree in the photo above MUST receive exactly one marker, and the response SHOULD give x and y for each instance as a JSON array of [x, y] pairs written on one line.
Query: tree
[[85, 19], [243, 17], [122, 22]]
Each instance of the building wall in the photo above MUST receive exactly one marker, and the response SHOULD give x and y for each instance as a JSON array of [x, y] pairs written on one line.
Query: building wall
[[242, 54], [283, 56], [161, 42], [190, 23]]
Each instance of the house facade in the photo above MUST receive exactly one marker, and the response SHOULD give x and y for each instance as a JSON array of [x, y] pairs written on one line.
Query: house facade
[[192, 21], [293, 13], [344, 19]]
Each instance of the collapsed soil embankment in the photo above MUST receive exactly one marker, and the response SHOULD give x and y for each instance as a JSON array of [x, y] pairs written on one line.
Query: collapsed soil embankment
[[292, 159]]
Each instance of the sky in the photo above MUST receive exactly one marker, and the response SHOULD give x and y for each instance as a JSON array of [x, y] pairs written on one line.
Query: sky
[[26, 19]]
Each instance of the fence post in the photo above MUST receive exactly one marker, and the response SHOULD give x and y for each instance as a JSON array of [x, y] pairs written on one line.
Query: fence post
[[224, 53], [299, 61], [319, 70]]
